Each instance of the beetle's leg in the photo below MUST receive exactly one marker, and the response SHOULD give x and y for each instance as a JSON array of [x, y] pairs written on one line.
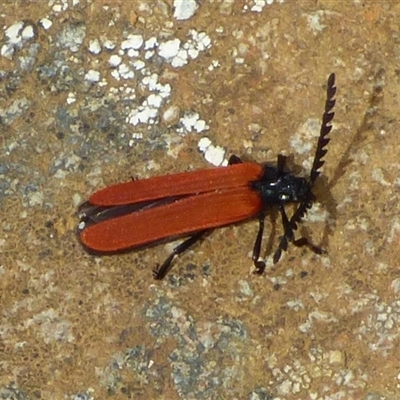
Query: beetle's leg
[[159, 272], [234, 160], [288, 236], [258, 264], [281, 162]]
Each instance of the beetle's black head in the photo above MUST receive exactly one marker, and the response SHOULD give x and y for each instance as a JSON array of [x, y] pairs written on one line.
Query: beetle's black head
[[292, 189], [277, 187]]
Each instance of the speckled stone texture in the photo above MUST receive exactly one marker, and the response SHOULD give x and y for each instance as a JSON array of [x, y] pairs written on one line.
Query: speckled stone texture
[[93, 93]]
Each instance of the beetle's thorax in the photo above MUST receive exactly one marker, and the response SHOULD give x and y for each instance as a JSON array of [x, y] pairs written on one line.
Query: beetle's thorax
[[277, 187]]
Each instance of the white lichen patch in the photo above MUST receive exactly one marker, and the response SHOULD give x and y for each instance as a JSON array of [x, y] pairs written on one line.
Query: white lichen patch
[[92, 76], [184, 9], [148, 111], [378, 176], [132, 42], [302, 140], [379, 327], [95, 46], [178, 54], [46, 23], [191, 122], [258, 5], [16, 35], [215, 155], [314, 21]]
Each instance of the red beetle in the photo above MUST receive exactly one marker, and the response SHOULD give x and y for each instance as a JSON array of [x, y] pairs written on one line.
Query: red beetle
[[139, 213]]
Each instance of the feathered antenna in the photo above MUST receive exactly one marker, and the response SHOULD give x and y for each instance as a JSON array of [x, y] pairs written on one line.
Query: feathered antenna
[[325, 129], [291, 225]]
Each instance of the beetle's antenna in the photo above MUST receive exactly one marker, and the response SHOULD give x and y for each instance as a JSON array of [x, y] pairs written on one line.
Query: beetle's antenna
[[326, 127]]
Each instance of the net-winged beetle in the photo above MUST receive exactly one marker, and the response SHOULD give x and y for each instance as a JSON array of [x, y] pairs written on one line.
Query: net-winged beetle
[[139, 213]]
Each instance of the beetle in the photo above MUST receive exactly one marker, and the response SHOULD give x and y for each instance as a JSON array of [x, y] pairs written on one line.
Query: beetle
[[140, 213]]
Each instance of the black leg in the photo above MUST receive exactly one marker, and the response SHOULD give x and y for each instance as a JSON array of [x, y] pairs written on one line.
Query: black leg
[[234, 160], [288, 236], [281, 162], [259, 265], [160, 272], [288, 229]]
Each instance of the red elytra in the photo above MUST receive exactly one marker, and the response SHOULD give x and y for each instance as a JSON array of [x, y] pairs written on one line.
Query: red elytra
[[208, 198]]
